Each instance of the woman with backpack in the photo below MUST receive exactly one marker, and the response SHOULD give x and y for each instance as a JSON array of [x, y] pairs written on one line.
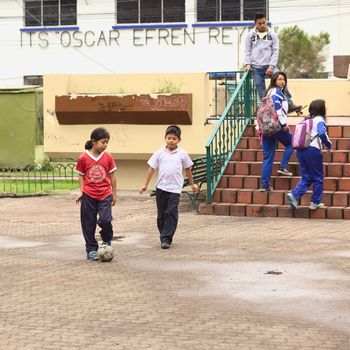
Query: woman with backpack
[[310, 158], [275, 92]]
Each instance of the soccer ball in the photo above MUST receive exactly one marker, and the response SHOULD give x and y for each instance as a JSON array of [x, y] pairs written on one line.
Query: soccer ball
[[105, 253]]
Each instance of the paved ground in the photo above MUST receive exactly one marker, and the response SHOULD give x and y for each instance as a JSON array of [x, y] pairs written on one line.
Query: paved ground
[[211, 290]]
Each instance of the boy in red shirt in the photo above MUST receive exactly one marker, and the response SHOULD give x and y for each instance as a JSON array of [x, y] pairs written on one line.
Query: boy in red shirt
[[98, 191]]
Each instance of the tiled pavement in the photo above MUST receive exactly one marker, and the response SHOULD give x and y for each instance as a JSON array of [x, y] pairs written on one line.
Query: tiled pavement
[[227, 282]]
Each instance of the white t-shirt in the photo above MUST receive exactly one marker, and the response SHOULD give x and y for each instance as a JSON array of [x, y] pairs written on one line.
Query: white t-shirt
[[170, 165]]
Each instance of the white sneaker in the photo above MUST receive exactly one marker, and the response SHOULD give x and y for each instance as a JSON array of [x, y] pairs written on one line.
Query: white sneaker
[[266, 189], [314, 206]]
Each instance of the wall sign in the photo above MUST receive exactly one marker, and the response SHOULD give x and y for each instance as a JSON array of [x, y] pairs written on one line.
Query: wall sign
[[135, 37]]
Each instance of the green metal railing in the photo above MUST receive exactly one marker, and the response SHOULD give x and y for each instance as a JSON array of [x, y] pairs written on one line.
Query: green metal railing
[[224, 85], [229, 129], [32, 179]]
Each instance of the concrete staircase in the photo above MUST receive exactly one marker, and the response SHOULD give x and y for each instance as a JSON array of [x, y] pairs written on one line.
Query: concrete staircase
[[237, 193]]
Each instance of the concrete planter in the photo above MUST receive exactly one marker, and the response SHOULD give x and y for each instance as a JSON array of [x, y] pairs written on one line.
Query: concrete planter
[[124, 109]]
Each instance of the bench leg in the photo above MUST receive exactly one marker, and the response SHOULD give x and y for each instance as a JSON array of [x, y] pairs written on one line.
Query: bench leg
[[193, 197]]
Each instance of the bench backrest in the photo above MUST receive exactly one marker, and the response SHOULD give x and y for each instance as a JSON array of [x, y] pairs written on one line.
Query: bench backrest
[[199, 171]]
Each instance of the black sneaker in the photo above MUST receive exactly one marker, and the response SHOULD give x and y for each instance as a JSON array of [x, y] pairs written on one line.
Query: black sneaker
[[165, 245], [294, 108], [284, 172]]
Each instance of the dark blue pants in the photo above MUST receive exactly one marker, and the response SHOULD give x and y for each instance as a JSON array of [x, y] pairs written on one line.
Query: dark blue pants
[[89, 210], [311, 169], [168, 214], [259, 75], [269, 149]]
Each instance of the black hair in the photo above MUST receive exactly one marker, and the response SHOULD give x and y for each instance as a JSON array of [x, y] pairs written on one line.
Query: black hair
[[273, 81], [259, 16], [97, 134], [317, 107], [173, 129]]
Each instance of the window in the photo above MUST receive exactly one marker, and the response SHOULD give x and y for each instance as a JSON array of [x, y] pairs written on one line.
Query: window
[[173, 10], [208, 10], [33, 80], [68, 12], [229, 10], [251, 7], [50, 12], [150, 11]]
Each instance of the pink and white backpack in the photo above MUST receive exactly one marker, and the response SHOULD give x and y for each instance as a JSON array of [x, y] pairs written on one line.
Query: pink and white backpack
[[302, 134]]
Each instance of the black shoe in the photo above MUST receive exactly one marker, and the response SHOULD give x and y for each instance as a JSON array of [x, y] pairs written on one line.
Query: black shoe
[[294, 108], [165, 245], [284, 172]]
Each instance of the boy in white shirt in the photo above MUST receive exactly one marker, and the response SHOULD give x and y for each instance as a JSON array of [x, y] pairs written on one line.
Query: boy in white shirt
[[170, 160]]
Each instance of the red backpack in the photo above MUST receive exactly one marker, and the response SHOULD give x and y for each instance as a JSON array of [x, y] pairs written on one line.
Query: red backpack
[[267, 117]]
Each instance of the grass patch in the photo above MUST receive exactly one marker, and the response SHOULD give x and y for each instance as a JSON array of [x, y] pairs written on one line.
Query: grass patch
[[25, 186]]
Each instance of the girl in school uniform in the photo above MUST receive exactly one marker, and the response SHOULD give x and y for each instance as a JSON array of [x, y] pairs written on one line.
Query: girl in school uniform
[[310, 159], [276, 92]]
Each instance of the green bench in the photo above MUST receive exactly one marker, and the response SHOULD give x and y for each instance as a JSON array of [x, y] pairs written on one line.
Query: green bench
[[199, 174]]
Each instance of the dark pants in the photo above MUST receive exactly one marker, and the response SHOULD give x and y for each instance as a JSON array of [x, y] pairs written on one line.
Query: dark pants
[[269, 148], [168, 214], [89, 210], [259, 75], [311, 168]]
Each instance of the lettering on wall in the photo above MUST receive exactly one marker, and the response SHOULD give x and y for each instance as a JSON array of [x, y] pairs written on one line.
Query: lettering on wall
[[136, 37]]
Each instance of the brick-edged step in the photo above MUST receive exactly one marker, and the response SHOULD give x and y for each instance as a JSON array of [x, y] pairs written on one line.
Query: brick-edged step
[[277, 197], [342, 131], [249, 142], [253, 155], [268, 210], [280, 182], [254, 168]]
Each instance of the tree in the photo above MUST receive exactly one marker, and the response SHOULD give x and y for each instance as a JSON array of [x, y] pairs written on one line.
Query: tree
[[302, 55]]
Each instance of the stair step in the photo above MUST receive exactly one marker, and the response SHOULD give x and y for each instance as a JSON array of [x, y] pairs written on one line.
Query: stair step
[[253, 155], [248, 142], [334, 131], [254, 168], [259, 210], [277, 197], [280, 182]]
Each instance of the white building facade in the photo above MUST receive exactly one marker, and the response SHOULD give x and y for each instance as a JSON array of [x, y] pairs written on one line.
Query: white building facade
[[40, 37]]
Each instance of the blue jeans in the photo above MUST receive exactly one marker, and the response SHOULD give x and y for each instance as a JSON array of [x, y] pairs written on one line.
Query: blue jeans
[[311, 168], [269, 149], [259, 75]]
